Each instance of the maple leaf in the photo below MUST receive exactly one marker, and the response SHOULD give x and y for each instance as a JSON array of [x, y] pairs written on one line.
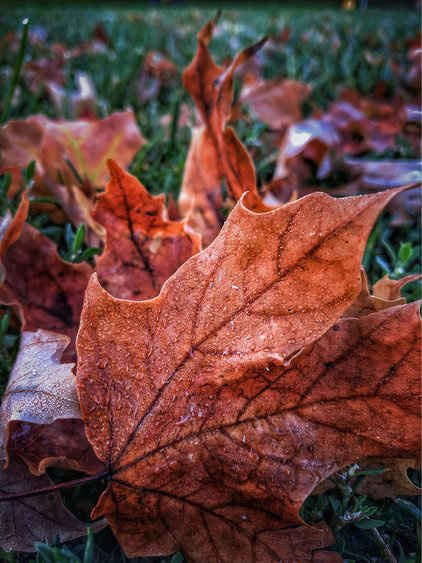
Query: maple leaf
[[143, 248], [224, 441], [215, 152], [40, 419], [25, 521], [47, 291]]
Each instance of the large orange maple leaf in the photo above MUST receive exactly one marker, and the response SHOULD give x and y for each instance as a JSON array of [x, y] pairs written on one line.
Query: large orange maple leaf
[[212, 430]]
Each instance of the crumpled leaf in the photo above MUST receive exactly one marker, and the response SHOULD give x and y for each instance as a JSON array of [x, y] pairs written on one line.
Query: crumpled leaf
[[26, 521], [208, 437], [215, 152], [47, 291], [40, 419], [276, 102], [143, 247]]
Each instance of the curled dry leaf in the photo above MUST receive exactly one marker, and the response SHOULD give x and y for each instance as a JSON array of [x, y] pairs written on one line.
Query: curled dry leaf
[[26, 521], [312, 139], [143, 248], [40, 419], [215, 152], [210, 440], [47, 291]]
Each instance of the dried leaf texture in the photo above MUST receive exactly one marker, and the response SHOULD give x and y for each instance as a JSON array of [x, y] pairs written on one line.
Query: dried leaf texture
[[143, 248], [40, 419], [215, 152], [48, 291], [212, 449], [26, 521]]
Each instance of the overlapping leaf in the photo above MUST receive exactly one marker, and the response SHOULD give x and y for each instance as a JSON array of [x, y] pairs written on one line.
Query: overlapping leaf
[[222, 438], [40, 418], [215, 152], [47, 291], [143, 247], [44, 518]]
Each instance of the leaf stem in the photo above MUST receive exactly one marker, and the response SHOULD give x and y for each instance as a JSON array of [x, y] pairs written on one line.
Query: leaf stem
[[17, 71], [53, 488]]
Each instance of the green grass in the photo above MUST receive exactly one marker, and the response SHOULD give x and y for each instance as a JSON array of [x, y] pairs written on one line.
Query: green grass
[[159, 164]]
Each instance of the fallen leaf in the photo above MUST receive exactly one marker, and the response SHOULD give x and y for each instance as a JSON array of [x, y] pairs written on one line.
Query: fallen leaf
[[156, 72], [312, 139], [86, 144], [81, 103], [26, 521], [47, 291], [385, 288], [143, 248], [208, 437], [276, 102], [215, 152], [89, 144], [40, 419], [375, 175], [200, 197], [392, 483], [367, 303]]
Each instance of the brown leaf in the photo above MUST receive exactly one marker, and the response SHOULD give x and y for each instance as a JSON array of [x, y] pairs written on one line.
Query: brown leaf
[[200, 197], [26, 521], [215, 151], [390, 289], [40, 419], [143, 248], [47, 290], [208, 437], [87, 144], [366, 303], [276, 102], [312, 139]]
